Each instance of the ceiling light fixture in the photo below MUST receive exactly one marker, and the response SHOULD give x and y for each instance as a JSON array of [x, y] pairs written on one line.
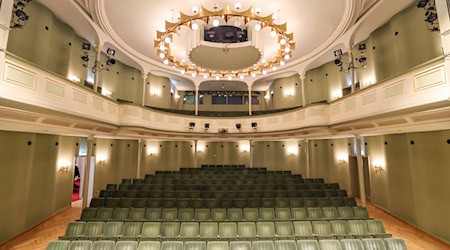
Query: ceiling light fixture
[[217, 16], [195, 9]]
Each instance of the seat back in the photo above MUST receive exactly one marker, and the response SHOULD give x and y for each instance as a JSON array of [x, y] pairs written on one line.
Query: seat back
[[103, 245], [321, 228], [126, 245], [88, 213], [75, 228], [251, 214], [375, 226], [361, 213], [149, 245], [169, 214], [132, 229], [209, 230], [217, 245], [112, 228], [94, 228], [151, 229], [373, 244], [303, 228], [189, 230], [228, 230], [104, 213], [202, 214], [330, 213], [240, 245], [153, 214], [285, 245], [234, 214], [267, 214], [263, 245], [172, 245], [339, 227], [357, 227], [330, 245], [314, 213], [58, 245], [170, 229], [352, 244], [282, 214], [308, 245], [120, 214], [345, 213], [195, 245], [265, 229], [247, 229], [218, 214], [284, 228], [186, 214], [395, 244], [298, 214]]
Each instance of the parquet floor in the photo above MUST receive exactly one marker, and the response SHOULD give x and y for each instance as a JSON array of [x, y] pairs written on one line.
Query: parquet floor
[[55, 226]]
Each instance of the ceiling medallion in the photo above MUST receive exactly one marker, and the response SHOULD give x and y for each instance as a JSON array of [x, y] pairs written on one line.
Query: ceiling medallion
[[286, 44]]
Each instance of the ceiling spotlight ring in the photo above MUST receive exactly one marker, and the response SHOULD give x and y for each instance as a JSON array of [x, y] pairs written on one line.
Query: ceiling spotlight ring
[[164, 39]]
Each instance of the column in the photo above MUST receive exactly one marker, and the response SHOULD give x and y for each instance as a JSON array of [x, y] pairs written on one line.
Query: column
[[362, 186], [302, 79], [144, 87], [87, 170], [97, 66], [351, 68], [251, 154], [195, 153], [250, 100], [5, 20], [442, 9], [308, 171], [139, 158], [196, 99]]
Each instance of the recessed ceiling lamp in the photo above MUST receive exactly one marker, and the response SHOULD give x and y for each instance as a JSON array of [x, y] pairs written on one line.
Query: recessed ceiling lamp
[[230, 78], [242, 77], [183, 71], [195, 9], [217, 78], [162, 55], [215, 23], [237, 6], [258, 27], [282, 63], [274, 68], [194, 74], [205, 76], [166, 62], [218, 16], [273, 33], [264, 72]]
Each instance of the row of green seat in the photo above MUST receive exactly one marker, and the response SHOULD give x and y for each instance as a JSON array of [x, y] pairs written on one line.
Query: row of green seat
[[231, 194], [344, 244], [226, 231], [227, 176], [223, 203], [232, 214], [221, 185]]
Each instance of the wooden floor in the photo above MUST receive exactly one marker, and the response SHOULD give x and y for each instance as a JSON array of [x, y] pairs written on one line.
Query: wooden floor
[[55, 226]]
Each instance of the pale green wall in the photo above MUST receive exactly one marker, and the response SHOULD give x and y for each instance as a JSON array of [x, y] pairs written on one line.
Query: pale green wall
[[415, 183], [121, 161], [274, 155], [208, 106], [31, 187], [393, 55], [280, 97], [162, 85], [50, 48]]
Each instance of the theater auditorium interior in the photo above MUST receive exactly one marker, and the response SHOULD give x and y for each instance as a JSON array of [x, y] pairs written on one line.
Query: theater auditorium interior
[[225, 124]]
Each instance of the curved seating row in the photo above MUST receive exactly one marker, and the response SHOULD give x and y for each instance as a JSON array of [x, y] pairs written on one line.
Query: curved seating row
[[233, 214], [223, 203], [230, 194], [344, 244], [224, 231], [223, 185]]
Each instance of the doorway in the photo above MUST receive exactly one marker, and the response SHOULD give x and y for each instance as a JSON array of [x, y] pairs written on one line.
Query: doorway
[[354, 177], [78, 178]]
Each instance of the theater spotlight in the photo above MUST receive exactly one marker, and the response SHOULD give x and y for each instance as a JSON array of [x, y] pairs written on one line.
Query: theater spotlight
[[206, 126], [254, 125], [191, 125], [97, 66], [19, 16], [238, 126]]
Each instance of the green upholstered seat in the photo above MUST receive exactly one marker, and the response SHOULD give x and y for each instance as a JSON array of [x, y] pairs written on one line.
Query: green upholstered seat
[[189, 231], [104, 213], [218, 214], [202, 214], [93, 230], [126, 245], [80, 245], [209, 231], [228, 230], [299, 214], [120, 214], [151, 231], [345, 213], [308, 245], [185, 214], [360, 213], [303, 230], [136, 214], [358, 228], [169, 214], [240, 245], [194, 245], [170, 230], [314, 213], [74, 230], [263, 245], [131, 231], [336, 201], [234, 214], [323, 201], [322, 230], [330, 213], [267, 214], [265, 230], [172, 245], [247, 231], [218, 245], [282, 214], [103, 245], [376, 228], [352, 244], [395, 244], [58, 245], [340, 229], [330, 245], [373, 244], [285, 245], [88, 213], [251, 214], [284, 230], [112, 230]]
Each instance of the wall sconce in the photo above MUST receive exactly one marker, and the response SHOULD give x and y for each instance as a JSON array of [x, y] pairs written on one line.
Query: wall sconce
[[155, 92], [101, 159], [337, 94], [74, 78], [177, 96], [289, 92], [106, 92], [63, 166], [200, 148], [342, 158], [267, 97], [292, 151], [378, 165], [244, 148], [152, 151]]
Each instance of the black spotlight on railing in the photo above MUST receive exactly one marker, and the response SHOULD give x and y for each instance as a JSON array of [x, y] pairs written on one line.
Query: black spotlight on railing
[[96, 66], [206, 126], [238, 126], [254, 126], [191, 125], [19, 16], [431, 16]]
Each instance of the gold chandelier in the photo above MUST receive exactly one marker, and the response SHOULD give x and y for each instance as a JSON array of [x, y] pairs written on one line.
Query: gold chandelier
[[285, 41]]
